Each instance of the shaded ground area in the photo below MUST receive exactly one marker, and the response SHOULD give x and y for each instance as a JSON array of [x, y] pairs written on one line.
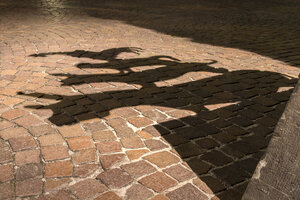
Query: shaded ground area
[[94, 108]]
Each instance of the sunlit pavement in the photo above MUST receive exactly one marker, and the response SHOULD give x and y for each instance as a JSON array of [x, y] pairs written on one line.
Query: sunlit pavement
[[135, 100]]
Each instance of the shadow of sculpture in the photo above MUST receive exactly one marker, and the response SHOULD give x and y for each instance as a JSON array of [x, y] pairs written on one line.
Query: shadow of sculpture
[[234, 112]]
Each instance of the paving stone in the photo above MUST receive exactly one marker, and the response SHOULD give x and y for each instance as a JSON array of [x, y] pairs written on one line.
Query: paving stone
[[5, 124], [84, 156], [27, 121], [187, 191], [59, 169], [108, 196], [138, 192], [172, 124], [87, 188], [21, 143], [29, 187], [27, 156], [29, 171], [224, 137], [216, 158], [154, 145], [162, 159], [179, 172], [12, 114], [51, 139], [5, 154], [42, 129], [160, 197], [7, 190], [190, 132], [71, 131], [231, 174], [188, 150], [85, 170], [198, 166], [108, 161], [6, 172], [138, 169], [209, 184], [109, 146], [13, 132], [95, 126], [140, 122], [132, 143], [103, 135], [158, 181], [53, 184], [207, 143], [135, 154], [156, 130], [78, 143], [54, 152], [114, 178]]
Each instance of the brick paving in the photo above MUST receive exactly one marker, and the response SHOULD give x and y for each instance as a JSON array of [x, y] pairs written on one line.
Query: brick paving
[[136, 101]]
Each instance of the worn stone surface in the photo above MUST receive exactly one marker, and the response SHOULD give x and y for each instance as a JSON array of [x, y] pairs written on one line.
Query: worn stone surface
[[126, 90], [277, 174]]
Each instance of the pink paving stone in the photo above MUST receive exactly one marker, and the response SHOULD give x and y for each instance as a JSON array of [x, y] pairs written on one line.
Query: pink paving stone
[[7, 190], [59, 169], [5, 124], [140, 121], [103, 135], [110, 195], [85, 169], [145, 135], [53, 184], [54, 152], [29, 187], [13, 132], [51, 139], [160, 197], [180, 173], [28, 171], [158, 182], [154, 145], [162, 159], [132, 143], [114, 178], [87, 188], [108, 161], [5, 154], [109, 146], [27, 121], [6, 172], [126, 112], [21, 143], [84, 156], [12, 114], [138, 192], [71, 131], [27, 156], [60, 195], [138, 169], [42, 129], [135, 154], [78, 143]]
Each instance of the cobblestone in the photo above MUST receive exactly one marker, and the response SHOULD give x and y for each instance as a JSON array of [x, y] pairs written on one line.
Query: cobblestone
[[177, 100]]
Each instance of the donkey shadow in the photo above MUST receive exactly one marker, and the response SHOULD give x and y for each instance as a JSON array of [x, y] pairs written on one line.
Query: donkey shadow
[[236, 112]]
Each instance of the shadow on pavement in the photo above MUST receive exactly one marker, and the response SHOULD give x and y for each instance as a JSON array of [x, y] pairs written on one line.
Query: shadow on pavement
[[234, 112], [269, 28]]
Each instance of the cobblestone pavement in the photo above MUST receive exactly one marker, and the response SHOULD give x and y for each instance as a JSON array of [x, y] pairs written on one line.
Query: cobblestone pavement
[[128, 100]]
